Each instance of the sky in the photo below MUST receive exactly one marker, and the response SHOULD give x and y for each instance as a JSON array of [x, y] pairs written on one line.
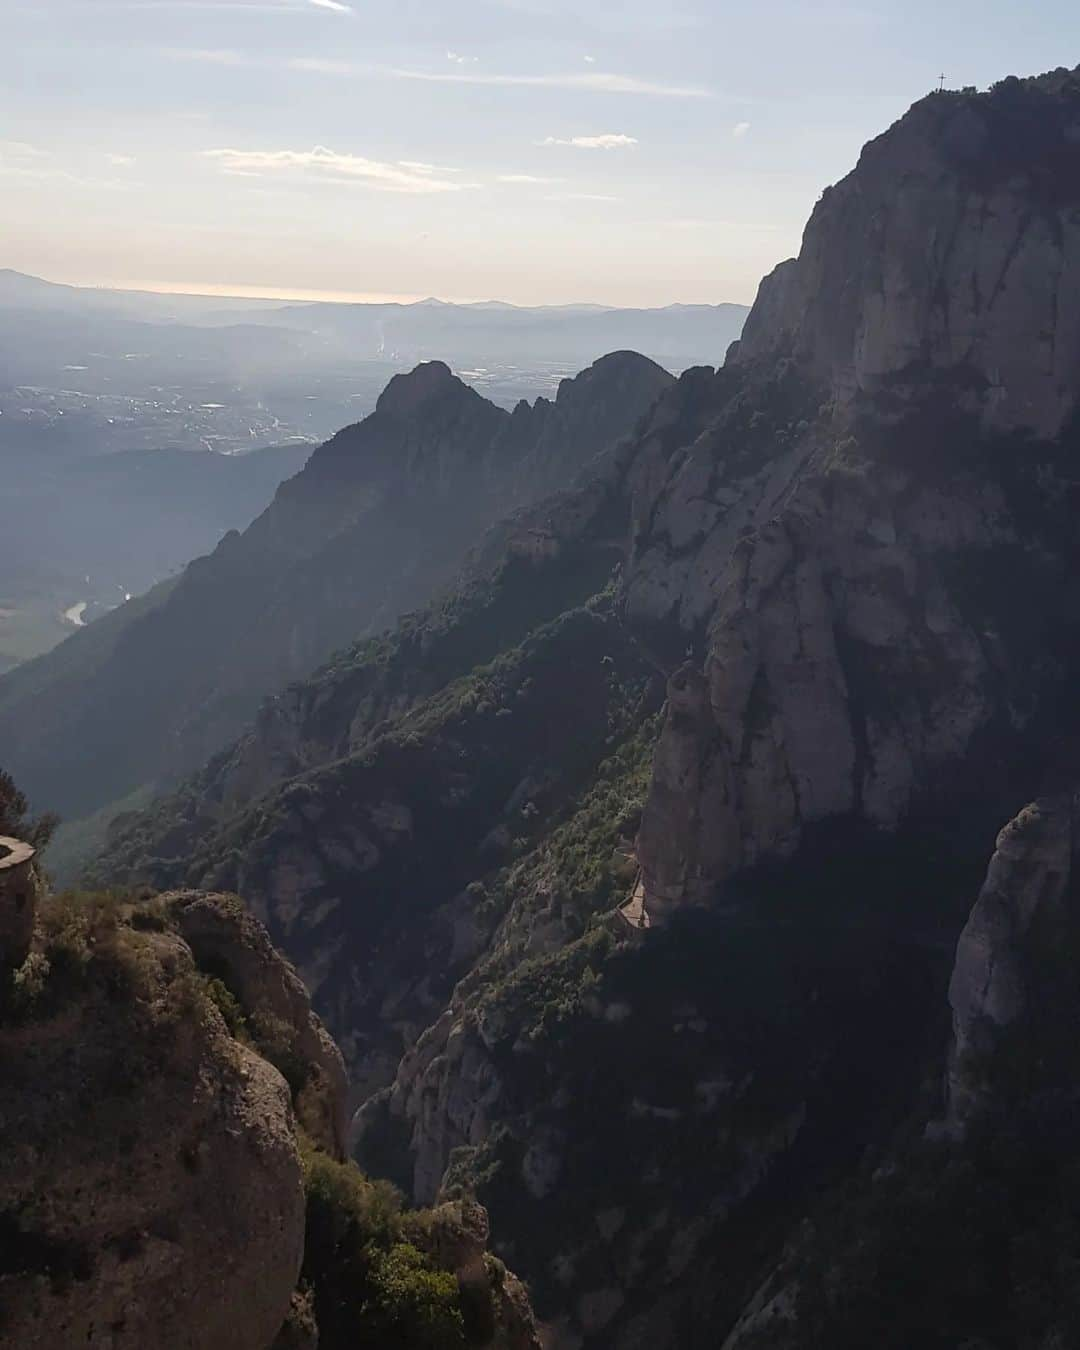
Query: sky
[[535, 151]]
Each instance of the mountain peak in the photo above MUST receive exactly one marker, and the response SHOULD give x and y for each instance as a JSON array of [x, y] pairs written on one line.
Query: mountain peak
[[962, 279], [621, 370], [407, 393]]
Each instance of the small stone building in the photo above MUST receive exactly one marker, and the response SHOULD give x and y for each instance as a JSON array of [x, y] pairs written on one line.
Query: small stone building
[[18, 900]]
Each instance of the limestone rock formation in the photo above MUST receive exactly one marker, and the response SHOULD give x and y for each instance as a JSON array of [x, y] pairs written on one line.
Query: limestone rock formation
[[1020, 910], [151, 1188], [950, 253], [224, 938], [807, 543], [457, 1235], [842, 673]]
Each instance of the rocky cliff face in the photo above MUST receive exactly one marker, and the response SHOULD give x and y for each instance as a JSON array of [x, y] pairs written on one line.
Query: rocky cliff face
[[858, 532], [848, 653], [1021, 915], [851, 553], [990, 1183], [173, 1128], [152, 1191], [950, 254], [378, 520], [361, 866]]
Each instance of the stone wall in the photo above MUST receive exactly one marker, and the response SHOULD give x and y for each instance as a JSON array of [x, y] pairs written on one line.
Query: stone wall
[[18, 900]]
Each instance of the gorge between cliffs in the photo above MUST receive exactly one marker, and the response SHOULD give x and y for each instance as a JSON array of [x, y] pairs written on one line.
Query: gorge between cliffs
[[653, 815]]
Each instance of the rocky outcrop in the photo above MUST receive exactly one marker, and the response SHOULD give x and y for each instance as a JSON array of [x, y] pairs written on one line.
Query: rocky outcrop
[[1019, 917], [844, 668], [456, 1236], [806, 543], [152, 1192], [225, 939], [948, 257]]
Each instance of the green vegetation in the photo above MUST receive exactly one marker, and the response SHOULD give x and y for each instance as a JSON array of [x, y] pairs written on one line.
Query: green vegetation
[[378, 1274], [584, 866], [86, 943], [15, 819]]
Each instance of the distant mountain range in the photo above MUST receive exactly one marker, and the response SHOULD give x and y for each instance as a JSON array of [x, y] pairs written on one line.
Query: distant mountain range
[[91, 374], [486, 332]]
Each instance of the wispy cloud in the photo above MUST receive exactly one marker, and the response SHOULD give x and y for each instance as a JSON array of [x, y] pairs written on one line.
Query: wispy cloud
[[590, 60], [525, 178], [20, 152], [318, 65], [610, 140], [739, 130], [335, 5], [460, 60], [211, 56], [322, 164], [596, 81], [120, 161], [20, 160], [579, 197], [419, 166], [218, 6]]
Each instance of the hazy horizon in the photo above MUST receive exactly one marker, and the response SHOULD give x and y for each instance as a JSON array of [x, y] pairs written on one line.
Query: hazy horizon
[[534, 151], [293, 295]]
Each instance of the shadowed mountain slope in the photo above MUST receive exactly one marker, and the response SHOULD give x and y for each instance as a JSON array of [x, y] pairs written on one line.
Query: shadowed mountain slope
[[380, 517]]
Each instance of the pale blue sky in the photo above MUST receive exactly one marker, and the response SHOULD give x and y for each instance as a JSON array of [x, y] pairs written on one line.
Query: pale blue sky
[[539, 151]]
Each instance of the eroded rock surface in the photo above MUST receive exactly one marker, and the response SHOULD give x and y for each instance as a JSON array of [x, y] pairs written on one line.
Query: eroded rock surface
[[226, 939], [952, 251], [151, 1192], [1021, 908]]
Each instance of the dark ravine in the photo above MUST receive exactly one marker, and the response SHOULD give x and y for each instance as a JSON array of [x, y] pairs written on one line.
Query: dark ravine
[[850, 556]]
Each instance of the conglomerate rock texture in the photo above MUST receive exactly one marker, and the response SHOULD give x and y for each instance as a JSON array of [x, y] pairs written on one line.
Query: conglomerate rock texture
[[151, 1191]]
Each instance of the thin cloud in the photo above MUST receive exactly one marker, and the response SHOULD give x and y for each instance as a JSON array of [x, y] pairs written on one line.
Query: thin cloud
[[325, 165], [597, 82], [121, 161], [21, 152], [594, 81], [739, 130], [590, 60], [317, 65], [579, 197], [460, 60], [219, 6], [420, 166], [525, 178], [334, 5], [211, 56], [21, 160], [610, 140]]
